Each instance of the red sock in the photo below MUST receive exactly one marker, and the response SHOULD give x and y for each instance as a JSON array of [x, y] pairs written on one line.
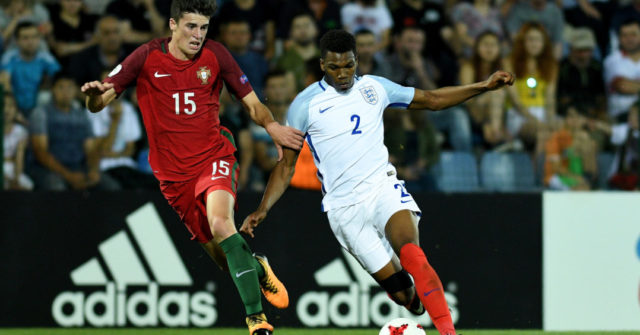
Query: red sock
[[428, 287]]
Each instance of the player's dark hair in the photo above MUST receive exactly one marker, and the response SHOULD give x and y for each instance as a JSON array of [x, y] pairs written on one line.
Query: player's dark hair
[[203, 7], [23, 25], [337, 40]]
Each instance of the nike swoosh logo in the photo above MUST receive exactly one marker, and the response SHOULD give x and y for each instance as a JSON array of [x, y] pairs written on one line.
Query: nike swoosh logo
[[160, 75], [324, 110], [218, 177], [405, 201], [427, 293], [238, 274]]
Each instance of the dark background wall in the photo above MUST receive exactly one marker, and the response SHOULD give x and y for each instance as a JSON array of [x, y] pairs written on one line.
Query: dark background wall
[[485, 247]]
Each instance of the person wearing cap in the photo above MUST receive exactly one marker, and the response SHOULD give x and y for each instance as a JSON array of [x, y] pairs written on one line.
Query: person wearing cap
[[580, 81]]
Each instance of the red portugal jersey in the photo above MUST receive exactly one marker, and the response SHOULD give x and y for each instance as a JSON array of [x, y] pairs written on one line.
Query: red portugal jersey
[[179, 100]]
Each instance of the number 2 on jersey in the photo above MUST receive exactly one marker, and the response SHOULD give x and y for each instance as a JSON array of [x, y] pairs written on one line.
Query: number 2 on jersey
[[355, 130], [187, 101]]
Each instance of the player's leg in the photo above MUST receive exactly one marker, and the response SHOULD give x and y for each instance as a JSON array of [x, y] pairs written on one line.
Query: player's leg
[[243, 267], [402, 232], [398, 285]]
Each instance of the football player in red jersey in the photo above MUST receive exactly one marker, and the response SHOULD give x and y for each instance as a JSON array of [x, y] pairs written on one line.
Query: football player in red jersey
[[178, 81]]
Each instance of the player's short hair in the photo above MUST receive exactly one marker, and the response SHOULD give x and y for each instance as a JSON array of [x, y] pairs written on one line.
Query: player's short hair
[[23, 25], [337, 40], [203, 7]]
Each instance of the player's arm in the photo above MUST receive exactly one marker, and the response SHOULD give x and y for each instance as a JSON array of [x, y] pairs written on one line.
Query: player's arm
[[282, 136], [99, 95], [278, 182], [445, 97]]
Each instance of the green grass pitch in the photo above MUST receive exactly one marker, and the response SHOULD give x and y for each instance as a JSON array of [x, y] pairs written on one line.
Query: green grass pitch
[[279, 331]]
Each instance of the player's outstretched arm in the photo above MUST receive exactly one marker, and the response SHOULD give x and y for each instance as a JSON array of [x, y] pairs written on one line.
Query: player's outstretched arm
[[445, 97], [278, 183], [99, 95], [282, 136]]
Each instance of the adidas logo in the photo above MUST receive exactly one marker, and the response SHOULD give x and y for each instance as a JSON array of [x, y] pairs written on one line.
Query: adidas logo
[[115, 306], [359, 305]]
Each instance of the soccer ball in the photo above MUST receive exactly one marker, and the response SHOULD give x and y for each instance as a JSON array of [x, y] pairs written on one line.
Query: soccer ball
[[402, 326]]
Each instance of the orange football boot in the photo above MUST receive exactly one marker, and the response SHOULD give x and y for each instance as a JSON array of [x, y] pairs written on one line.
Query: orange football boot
[[272, 288], [258, 324]]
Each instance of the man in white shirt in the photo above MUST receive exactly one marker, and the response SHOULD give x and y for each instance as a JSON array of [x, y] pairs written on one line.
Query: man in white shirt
[[370, 212]]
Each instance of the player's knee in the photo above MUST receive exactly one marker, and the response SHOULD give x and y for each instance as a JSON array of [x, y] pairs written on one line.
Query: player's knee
[[400, 287], [221, 225]]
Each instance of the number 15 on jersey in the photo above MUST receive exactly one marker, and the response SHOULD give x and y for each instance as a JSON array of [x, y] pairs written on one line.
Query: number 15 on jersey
[[186, 101]]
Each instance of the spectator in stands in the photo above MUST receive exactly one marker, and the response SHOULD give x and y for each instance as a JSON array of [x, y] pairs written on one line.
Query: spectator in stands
[[581, 84], [593, 14], [626, 164], [306, 172], [278, 96], [470, 19], [622, 72], [486, 111], [368, 14], [140, 20], [544, 12], [430, 17], [370, 61], [14, 144], [109, 51], [27, 69], [302, 47], [624, 14], [325, 12], [13, 12], [260, 15], [117, 129], [236, 35], [533, 95], [72, 29], [570, 156], [410, 68], [63, 142]]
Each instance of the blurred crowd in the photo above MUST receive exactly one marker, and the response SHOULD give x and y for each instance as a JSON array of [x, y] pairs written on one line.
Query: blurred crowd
[[572, 113]]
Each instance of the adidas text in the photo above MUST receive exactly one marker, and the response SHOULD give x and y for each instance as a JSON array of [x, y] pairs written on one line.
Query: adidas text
[[145, 308]]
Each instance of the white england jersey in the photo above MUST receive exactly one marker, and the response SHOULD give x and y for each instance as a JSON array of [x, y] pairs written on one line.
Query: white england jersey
[[345, 133]]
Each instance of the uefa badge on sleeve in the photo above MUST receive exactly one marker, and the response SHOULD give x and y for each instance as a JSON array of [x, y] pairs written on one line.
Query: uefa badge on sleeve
[[203, 74], [244, 79]]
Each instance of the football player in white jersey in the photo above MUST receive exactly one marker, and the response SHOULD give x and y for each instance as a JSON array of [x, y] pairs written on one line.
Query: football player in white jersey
[[370, 212]]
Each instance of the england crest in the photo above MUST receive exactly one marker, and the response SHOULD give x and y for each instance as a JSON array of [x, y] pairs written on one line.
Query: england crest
[[369, 94]]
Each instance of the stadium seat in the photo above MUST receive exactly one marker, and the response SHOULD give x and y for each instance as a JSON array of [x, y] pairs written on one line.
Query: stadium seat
[[507, 172], [456, 172], [605, 160]]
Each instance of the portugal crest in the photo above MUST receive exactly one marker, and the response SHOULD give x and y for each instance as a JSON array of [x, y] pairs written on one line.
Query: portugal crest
[[203, 74], [369, 94]]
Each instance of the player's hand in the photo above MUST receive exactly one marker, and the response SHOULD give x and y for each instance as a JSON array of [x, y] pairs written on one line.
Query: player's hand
[[500, 79], [284, 137], [252, 221], [95, 87]]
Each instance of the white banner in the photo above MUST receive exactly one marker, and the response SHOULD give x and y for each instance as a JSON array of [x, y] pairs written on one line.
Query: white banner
[[591, 261]]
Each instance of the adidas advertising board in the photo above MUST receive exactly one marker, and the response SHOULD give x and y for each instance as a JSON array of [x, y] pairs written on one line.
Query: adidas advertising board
[[119, 305], [123, 259], [360, 303]]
